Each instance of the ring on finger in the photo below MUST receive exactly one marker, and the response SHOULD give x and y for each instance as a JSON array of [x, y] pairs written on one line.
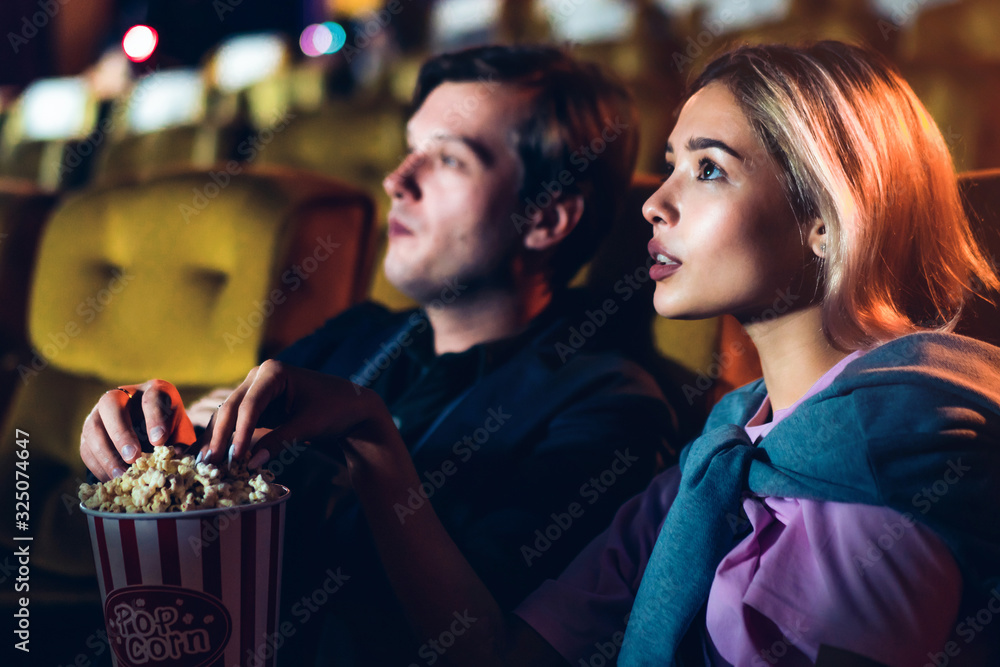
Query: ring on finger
[[125, 391]]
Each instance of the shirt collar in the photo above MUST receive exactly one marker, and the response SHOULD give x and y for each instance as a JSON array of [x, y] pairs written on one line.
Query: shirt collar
[[485, 356]]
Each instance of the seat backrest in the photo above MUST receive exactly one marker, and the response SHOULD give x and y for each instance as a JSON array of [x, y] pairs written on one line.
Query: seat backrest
[[187, 277], [50, 120], [168, 121], [160, 276], [981, 195], [24, 209]]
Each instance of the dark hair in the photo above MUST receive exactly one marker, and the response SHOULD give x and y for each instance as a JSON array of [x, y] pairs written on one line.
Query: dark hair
[[582, 126]]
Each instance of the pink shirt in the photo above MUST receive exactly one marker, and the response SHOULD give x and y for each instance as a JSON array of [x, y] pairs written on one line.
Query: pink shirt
[[866, 579]]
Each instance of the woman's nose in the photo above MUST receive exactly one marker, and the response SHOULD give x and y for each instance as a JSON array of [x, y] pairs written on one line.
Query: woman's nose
[[660, 207]]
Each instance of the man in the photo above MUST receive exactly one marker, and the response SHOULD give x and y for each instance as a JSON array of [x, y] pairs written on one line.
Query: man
[[519, 159]]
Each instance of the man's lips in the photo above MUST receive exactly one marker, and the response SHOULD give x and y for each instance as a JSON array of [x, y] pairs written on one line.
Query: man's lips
[[396, 228]]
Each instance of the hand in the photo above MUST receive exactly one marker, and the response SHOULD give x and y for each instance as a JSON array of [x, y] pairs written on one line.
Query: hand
[[297, 404], [109, 443]]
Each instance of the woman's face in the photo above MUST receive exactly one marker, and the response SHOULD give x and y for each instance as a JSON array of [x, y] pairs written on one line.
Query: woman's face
[[724, 235]]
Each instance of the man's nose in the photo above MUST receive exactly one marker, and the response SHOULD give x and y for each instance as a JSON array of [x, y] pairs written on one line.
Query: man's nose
[[402, 180]]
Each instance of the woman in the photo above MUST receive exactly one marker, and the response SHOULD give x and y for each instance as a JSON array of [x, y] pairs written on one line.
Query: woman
[[842, 506]]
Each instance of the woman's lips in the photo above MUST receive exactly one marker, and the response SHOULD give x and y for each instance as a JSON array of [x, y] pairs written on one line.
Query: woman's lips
[[661, 271], [666, 264]]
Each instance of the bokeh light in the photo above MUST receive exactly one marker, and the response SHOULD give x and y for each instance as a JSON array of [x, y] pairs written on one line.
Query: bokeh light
[[139, 43], [322, 39]]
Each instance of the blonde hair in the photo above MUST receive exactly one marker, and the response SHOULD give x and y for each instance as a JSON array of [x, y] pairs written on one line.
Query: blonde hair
[[860, 152]]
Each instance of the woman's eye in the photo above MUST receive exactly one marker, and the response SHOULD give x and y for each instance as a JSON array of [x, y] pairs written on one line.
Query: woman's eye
[[668, 170], [709, 171], [450, 161]]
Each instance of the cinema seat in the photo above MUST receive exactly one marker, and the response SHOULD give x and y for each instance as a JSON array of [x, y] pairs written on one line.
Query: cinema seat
[[981, 194], [185, 278], [24, 210], [46, 136]]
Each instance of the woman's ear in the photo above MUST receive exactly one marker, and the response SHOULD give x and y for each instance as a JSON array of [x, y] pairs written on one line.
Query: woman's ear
[[551, 225], [816, 238]]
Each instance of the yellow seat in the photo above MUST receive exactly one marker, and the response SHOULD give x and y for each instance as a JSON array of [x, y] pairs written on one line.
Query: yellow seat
[[358, 142], [184, 278]]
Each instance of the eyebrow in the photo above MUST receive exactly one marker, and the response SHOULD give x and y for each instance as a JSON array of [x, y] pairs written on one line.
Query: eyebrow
[[701, 143], [479, 149]]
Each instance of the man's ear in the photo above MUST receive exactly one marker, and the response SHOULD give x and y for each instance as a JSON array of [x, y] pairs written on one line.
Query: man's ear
[[816, 238], [551, 225]]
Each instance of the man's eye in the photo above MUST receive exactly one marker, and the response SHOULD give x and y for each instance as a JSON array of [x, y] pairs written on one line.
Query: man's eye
[[709, 171]]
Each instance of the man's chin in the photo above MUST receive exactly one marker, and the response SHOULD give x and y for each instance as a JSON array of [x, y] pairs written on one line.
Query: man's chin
[[419, 290]]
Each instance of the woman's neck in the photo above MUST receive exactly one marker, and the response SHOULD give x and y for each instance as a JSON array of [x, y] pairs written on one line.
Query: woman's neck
[[794, 353]]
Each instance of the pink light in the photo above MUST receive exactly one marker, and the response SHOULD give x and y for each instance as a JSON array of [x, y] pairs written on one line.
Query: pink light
[[139, 43], [306, 41]]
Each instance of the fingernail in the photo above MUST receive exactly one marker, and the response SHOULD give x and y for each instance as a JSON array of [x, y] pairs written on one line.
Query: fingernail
[[117, 472], [156, 433], [232, 450], [128, 451], [259, 459], [197, 459]]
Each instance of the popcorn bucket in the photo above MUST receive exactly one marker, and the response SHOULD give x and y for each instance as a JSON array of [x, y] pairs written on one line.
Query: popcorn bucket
[[191, 589]]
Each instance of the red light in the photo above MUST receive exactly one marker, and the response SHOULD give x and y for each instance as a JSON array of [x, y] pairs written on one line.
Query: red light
[[139, 43]]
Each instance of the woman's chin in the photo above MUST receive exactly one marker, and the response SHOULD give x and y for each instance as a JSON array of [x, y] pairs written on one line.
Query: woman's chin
[[672, 309], [668, 307]]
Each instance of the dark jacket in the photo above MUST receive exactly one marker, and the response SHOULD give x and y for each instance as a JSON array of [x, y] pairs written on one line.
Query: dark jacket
[[523, 469]]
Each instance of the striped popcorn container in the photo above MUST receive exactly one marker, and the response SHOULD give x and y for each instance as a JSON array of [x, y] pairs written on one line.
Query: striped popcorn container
[[191, 589]]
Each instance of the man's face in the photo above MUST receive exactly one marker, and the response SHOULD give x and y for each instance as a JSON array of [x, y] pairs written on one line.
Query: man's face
[[454, 195]]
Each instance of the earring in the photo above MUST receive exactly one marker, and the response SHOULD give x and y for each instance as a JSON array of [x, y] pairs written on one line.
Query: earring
[[822, 247]]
